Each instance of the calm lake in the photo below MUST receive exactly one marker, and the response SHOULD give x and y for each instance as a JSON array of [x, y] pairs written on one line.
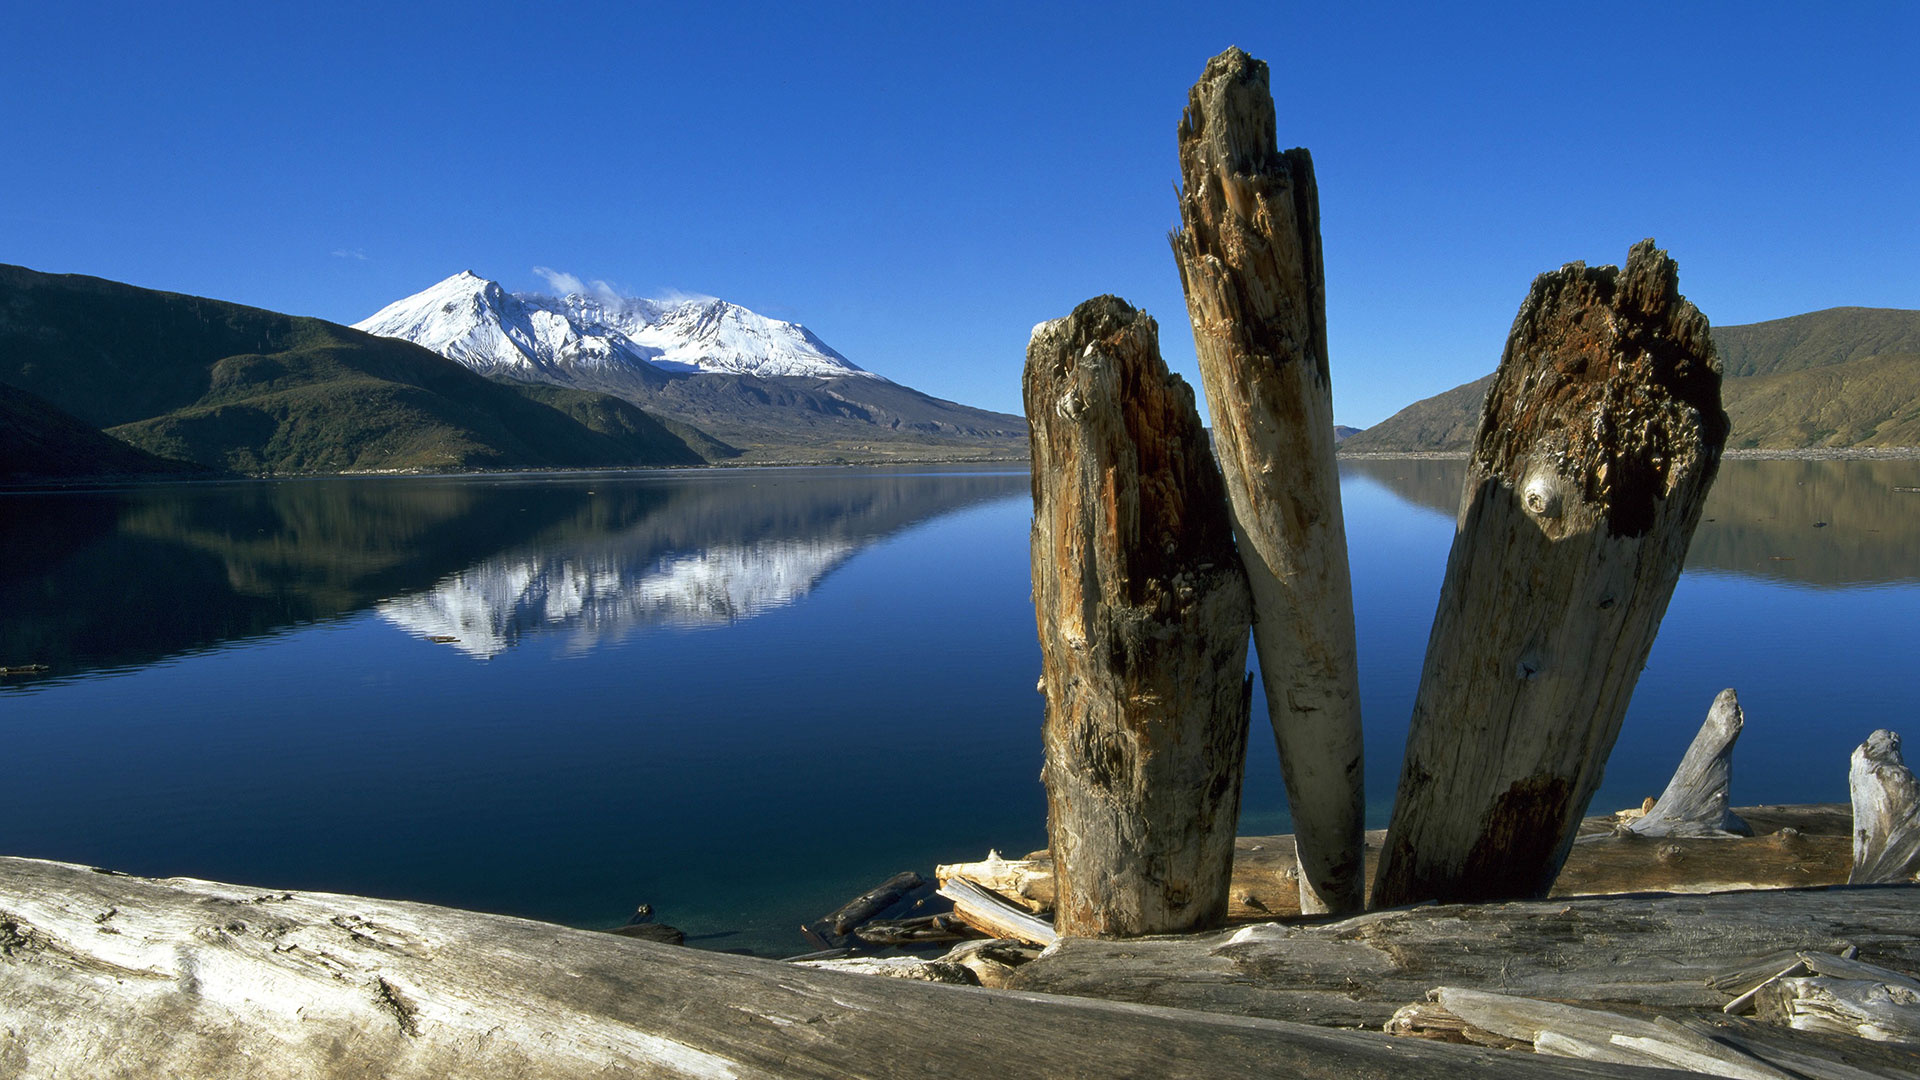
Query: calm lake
[[743, 696]]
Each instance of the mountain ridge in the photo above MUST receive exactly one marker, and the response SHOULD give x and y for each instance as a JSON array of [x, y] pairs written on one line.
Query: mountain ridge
[[771, 388], [541, 337], [232, 387]]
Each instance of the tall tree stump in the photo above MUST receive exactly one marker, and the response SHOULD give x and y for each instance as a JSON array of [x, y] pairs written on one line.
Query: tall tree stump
[[1249, 255], [1597, 444], [1142, 611]]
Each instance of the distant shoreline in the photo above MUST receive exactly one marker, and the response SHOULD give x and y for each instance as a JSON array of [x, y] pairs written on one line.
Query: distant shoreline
[[1813, 453], [36, 485]]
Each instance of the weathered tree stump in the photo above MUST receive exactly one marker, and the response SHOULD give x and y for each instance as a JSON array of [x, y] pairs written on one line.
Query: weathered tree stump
[[1886, 812], [1249, 255], [1697, 799], [1142, 611], [1597, 444]]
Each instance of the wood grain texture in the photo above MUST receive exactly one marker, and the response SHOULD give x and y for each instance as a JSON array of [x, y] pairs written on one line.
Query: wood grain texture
[[1696, 801], [108, 976], [1142, 612], [1249, 257], [1886, 812], [1652, 950], [1599, 439]]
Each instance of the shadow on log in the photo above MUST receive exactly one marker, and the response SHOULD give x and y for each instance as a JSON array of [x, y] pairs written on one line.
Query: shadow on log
[[1249, 255], [1142, 612], [1597, 443]]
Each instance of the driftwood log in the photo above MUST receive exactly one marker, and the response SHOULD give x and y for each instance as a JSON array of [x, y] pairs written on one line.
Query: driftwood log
[[106, 975], [1886, 812], [1249, 255], [1142, 612], [1793, 846], [1597, 443], [1650, 950], [1718, 1047], [1696, 800]]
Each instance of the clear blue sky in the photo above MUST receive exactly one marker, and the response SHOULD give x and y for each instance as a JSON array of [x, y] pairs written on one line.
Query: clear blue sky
[[920, 184]]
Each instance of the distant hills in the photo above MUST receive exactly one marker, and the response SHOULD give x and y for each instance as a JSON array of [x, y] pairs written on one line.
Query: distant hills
[[103, 379], [40, 442], [1842, 377], [772, 388]]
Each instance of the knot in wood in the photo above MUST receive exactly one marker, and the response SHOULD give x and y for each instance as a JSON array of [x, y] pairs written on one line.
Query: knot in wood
[[1542, 495]]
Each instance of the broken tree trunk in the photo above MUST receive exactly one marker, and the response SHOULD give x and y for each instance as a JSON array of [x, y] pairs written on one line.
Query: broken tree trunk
[[1886, 812], [1249, 255], [1142, 612], [107, 975], [1597, 444], [1697, 798]]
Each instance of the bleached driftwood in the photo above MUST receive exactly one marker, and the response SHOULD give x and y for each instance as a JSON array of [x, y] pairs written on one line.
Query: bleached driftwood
[[1638, 949], [1696, 801], [1142, 613], [1597, 1035], [1846, 996], [991, 914], [1249, 256], [1886, 812], [1597, 443], [110, 976], [1796, 846]]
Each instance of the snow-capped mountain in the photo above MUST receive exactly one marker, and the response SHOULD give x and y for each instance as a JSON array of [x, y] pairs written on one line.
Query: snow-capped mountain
[[597, 338]]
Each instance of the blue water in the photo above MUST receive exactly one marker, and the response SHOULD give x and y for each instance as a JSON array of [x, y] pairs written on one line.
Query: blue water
[[744, 696]]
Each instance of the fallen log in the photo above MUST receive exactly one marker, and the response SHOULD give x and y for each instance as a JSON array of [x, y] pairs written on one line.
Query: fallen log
[[1796, 846], [1845, 996], [1652, 950], [1141, 607], [892, 897], [1597, 443], [992, 915], [1886, 812], [107, 975], [1552, 1027], [1696, 800], [1249, 256]]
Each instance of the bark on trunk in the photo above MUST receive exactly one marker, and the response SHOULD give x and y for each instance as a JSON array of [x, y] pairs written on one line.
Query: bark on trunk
[[1597, 444], [1142, 611], [1886, 812], [1249, 255]]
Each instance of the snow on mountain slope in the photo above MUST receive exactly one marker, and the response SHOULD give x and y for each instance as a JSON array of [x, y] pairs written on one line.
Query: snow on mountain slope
[[554, 339]]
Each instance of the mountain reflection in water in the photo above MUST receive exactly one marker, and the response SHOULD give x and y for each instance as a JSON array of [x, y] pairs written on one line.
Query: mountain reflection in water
[[1819, 523], [121, 578]]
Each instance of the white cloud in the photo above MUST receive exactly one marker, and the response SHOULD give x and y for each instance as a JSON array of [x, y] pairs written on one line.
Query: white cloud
[[565, 284], [350, 253], [561, 284], [676, 296]]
